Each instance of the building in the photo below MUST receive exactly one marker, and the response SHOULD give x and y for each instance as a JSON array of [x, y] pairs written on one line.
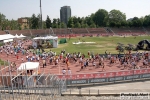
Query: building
[[65, 14], [23, 22]]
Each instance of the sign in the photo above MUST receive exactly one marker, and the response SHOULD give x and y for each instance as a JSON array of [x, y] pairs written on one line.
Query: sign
[[98, 80], [106, 77], [119, 78], [145, 75], [84, 81], [132, 77]]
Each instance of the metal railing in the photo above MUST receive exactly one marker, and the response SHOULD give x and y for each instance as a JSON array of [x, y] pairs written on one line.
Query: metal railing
[[29, 87]]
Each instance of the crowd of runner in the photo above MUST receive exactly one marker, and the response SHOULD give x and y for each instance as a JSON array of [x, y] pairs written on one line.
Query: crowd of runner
[[127, 61]]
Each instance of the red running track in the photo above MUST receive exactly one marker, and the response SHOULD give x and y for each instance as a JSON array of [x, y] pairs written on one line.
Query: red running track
[[57, 69]]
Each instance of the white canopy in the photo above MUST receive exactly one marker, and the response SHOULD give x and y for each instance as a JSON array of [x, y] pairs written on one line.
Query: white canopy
[[28, 66], [16, 36], [9, 40], [45, 38], [22, 36], [6, 37], [54, 38]]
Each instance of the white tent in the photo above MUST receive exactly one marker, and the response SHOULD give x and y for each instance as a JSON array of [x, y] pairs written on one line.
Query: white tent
[[28, 66], [54, 38], [9, 40], [39, 38], [6, 37], [22, 36], [16, 36]]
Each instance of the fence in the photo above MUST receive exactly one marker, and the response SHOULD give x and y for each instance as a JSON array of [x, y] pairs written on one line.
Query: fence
[[106, 77], [29, 87]]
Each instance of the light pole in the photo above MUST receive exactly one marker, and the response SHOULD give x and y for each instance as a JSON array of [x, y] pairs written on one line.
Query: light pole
[[41, 14]]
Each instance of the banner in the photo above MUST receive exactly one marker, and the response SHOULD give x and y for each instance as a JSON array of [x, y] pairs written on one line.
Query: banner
[[106, 76]]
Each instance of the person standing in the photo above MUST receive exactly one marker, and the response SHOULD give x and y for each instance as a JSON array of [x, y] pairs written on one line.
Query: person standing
[[69, 71], [44, 63], [63, 71], [103, 66], [17, 57]]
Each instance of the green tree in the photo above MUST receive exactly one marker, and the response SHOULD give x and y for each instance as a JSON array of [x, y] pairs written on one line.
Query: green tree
[[19, 26], [48, 22], [44, 24], [146, 21], [34, 22], [2, 19], [54, 25], [116, 17], [13, 24], [136, 22], [70, 23], [101, 17], [58, 23], [63, 25], [77, 25], [75, 20], [93, 25]]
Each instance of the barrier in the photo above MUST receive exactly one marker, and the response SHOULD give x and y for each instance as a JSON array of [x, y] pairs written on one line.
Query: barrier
[[126, 75], [23, 86]]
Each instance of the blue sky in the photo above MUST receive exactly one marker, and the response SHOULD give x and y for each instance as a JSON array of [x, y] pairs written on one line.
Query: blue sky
[[14, 9]]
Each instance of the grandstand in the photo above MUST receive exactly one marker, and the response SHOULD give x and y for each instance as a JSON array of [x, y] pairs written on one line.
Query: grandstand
[[61, 32], [128, 31]]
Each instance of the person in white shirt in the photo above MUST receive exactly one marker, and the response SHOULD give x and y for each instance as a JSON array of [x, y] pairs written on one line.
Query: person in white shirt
[[63, 71], [22, 59], [15, 53], [27, 57], [69, 71]]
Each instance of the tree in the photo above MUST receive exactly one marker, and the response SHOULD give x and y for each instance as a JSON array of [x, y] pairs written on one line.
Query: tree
[[48, 22], [58, 23], [2, 19], [19, 26], [75, 20], [13, 24], [44, 24], [34, 22], [54, 25], [136, 22], [146, 21], [116, 17], [63, 25], [101, 17], [70, 23], [77, 25], [93, 25]]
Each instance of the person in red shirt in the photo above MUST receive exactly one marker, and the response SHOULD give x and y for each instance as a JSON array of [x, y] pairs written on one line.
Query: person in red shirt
[[17, 57]]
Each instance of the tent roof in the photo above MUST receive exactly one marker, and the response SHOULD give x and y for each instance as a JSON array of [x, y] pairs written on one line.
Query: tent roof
[[21, 36], [44, 38], [28, 66], [9, 40], [6, 37], [16, 36]]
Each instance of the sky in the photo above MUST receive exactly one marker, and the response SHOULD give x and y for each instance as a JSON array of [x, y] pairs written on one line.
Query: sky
[[14, 9]]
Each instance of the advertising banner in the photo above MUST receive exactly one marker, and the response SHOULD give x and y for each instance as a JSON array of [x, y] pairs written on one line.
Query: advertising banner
[[106, 76]]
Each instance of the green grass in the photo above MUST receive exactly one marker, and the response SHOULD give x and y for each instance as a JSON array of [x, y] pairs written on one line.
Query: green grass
[[102, 44]]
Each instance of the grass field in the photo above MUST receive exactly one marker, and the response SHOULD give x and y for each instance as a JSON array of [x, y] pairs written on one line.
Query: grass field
[[102, 44]]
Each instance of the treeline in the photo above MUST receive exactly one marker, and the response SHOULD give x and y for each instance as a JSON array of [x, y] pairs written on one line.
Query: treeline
[[8, 24], [101, 18]]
